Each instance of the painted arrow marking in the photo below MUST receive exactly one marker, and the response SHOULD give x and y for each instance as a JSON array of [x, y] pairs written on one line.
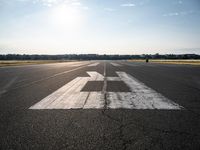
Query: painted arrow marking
[[70, 95]]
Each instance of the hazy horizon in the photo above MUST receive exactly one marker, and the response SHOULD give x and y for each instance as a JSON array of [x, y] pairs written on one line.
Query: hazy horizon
[[99, 27]]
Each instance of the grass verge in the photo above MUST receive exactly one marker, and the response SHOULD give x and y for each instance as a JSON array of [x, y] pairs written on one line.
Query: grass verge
[[168, 61], [28, 62]]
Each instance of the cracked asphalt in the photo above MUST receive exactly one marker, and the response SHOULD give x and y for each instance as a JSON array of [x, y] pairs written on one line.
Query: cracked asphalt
[[123, 129]]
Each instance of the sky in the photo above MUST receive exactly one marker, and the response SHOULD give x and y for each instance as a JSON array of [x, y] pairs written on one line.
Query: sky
[[99, 26]]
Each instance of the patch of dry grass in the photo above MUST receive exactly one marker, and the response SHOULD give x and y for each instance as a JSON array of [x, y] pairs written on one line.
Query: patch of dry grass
[[137, 60], [168, 61], [28, 62]]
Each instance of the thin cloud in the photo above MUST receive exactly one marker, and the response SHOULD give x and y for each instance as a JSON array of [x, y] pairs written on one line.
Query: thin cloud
[[52, 3], [55, 2], [182, 13], [178, 2], [128, 5], [171, 14], [76, 3]]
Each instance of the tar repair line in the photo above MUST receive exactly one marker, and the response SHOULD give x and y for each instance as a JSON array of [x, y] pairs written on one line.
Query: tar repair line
[[70, 95], [104, 92]]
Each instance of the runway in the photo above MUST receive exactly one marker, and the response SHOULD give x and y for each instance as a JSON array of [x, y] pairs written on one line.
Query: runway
[[100, 105]]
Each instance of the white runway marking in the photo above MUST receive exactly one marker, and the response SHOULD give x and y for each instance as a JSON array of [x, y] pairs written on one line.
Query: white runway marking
[[5, 88], [76, 64], [116, 65], [70, 95], [95, 64], [141, 97]]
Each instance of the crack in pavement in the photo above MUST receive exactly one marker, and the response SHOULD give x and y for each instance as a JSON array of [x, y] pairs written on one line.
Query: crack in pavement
[[146, 130], [121, 136]]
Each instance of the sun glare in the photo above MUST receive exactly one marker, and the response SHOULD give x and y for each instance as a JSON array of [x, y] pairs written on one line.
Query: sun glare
[[67, 17]]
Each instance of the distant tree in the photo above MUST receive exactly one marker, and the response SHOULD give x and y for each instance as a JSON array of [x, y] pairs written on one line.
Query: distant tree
[[96, 57]]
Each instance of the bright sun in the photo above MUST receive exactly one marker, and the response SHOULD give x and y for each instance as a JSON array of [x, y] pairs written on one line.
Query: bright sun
[[66, 17]]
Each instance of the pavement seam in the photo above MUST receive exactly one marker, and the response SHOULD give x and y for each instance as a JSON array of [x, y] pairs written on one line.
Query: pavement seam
[[105, 88], [121, 125]]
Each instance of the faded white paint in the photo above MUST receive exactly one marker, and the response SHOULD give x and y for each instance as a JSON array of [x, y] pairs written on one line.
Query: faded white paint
[[76, 64], [70, 95], [94, 64], [9, 84], [116, 65], [141, 97]]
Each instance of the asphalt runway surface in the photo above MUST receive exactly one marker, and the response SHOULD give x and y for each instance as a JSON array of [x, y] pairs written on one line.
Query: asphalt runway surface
[[100, 105]]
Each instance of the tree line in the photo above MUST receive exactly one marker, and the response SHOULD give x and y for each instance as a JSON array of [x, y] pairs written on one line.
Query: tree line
[[96, 57]]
